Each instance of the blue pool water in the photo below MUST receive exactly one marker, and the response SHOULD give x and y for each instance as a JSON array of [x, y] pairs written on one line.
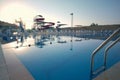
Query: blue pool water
[[62, 57]]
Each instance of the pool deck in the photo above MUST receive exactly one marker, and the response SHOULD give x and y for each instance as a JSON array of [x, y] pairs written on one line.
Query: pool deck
[[11, 68], [111, 74], [3, 67]]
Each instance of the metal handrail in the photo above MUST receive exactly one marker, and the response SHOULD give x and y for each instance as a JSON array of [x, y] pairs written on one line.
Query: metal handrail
[[101, 46], [108, 48]]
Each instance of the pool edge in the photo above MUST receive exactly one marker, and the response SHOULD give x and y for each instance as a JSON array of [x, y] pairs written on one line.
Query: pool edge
[[16, 70]]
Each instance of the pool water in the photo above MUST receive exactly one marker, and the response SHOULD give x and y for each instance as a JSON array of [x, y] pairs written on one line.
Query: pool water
[[54, 57]]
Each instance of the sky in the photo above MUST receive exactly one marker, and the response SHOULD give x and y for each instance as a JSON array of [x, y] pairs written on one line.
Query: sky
[[84, 12]]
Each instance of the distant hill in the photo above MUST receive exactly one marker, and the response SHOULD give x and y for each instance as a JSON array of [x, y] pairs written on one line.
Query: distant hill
[[97, 28], [6, 25]]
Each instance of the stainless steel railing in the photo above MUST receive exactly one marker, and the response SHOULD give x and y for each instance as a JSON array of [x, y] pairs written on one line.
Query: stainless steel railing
[[101, 46]]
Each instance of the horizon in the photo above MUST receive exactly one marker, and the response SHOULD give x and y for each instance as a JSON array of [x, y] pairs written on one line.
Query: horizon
[[85, 11]]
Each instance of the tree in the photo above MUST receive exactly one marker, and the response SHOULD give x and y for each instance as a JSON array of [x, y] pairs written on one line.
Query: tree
[[93, 24]]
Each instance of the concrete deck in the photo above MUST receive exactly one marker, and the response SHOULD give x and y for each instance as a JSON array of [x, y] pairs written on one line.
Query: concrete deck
[[14, 69], [3, 67], [111, 74]]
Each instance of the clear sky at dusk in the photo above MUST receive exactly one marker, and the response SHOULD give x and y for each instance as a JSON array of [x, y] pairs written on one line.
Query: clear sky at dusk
[[85, 11]]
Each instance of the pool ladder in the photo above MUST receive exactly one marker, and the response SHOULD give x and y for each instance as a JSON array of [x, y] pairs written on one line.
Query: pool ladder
[[116, 33]]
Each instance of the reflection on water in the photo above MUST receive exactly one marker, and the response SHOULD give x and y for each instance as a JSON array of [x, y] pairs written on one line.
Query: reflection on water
[[42, 40]]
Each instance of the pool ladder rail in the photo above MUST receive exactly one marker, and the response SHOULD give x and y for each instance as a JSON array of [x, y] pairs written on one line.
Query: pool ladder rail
[[95, 72]]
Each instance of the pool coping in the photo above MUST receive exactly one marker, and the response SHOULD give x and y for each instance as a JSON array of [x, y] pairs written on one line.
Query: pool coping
[[14, 69]]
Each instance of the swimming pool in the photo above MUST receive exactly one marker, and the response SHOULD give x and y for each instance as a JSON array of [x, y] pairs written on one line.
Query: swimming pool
[[54, 57]]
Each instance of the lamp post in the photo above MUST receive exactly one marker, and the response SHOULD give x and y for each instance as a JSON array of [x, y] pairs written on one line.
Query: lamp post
[[71, 25]]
